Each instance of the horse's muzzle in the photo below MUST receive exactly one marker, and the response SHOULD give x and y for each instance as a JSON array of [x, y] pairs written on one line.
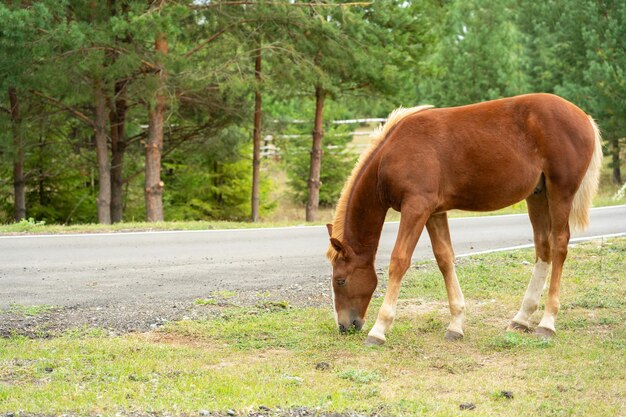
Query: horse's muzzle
[[356, 325]]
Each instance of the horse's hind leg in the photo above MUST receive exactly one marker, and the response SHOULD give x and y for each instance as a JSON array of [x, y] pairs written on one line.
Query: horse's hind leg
[[439, 232], [539, 214], [559, 206]]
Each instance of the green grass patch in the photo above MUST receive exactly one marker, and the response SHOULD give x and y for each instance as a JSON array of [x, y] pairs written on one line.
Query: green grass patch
[[360, 376], [271, 354], [206, 302], [33, 310], [216, 298], [35, 227], [509, 341], [225, 294]]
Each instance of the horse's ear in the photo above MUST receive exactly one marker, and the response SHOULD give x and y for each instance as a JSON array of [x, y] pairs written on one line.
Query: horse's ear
[[330, 229], [337, 245], [344, 250]]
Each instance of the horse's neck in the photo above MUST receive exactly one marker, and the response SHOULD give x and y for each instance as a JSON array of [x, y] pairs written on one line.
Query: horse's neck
[[365, 215]]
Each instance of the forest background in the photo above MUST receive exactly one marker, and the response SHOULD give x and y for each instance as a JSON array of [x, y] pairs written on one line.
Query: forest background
[[199, 110]]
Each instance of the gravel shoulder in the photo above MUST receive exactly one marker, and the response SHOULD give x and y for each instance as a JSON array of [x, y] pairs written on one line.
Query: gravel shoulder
[[120, 318]]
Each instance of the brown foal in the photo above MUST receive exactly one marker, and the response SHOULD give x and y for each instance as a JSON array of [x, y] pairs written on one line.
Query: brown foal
[[425, 161]]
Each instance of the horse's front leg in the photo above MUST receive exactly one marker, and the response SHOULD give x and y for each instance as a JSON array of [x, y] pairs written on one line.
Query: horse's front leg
[[439, 232], [411, 225]]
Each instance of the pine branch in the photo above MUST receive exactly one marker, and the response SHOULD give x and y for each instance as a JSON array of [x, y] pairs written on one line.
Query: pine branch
[[135, 138], [116, 49], [207, 41], [79, 115], [255, 3], [190, 135]]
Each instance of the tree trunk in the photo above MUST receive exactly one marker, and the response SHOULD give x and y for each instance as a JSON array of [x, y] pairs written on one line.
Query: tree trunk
[[102, 156], [117, 117], [615, 161], [154, 144], [19, 179], [256, 138], [316, 157], [41, 149]]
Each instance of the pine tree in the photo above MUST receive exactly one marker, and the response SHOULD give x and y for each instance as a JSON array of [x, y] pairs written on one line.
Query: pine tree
[[576, 50], [18, 35], [479, 55]]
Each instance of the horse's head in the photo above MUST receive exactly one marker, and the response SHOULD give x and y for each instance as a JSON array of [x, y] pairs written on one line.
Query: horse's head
[[353, 283]]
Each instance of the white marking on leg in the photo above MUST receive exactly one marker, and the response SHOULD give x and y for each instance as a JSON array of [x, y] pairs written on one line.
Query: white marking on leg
[[547, 321], [387, 311], [332, 296], [384, 321], [533, 292]]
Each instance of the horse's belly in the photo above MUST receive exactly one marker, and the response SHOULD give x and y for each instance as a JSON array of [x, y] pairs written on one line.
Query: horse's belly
[[493, 192]]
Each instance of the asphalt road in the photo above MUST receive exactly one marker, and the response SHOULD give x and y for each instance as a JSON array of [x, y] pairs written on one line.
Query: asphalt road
[[104, 269]]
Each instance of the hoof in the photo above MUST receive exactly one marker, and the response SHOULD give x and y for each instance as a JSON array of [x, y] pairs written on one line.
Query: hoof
[[373, 341], [518, 327], [451, 335], [545, 333]]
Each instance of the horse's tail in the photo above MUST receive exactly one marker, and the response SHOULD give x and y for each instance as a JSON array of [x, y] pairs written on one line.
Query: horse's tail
[[579, 216]]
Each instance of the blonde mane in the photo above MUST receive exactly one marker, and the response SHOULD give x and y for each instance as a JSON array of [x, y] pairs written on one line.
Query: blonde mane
[[378, 137]]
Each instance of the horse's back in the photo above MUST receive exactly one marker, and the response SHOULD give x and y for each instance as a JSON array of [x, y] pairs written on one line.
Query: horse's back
[[488, 155]]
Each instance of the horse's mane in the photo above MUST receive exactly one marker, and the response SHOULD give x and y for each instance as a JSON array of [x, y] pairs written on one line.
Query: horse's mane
[[378, 137]]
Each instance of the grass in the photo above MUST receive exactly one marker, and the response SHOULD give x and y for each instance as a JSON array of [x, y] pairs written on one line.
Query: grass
[[35, 227], [32, 310], [270, 354], [28, 310], [216, 298]]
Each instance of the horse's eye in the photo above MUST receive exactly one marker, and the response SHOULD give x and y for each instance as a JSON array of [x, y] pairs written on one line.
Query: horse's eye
[[341, 281]]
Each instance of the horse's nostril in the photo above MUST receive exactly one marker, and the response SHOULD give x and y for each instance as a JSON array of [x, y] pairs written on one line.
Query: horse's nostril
[[342, 328], [355, 323]]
